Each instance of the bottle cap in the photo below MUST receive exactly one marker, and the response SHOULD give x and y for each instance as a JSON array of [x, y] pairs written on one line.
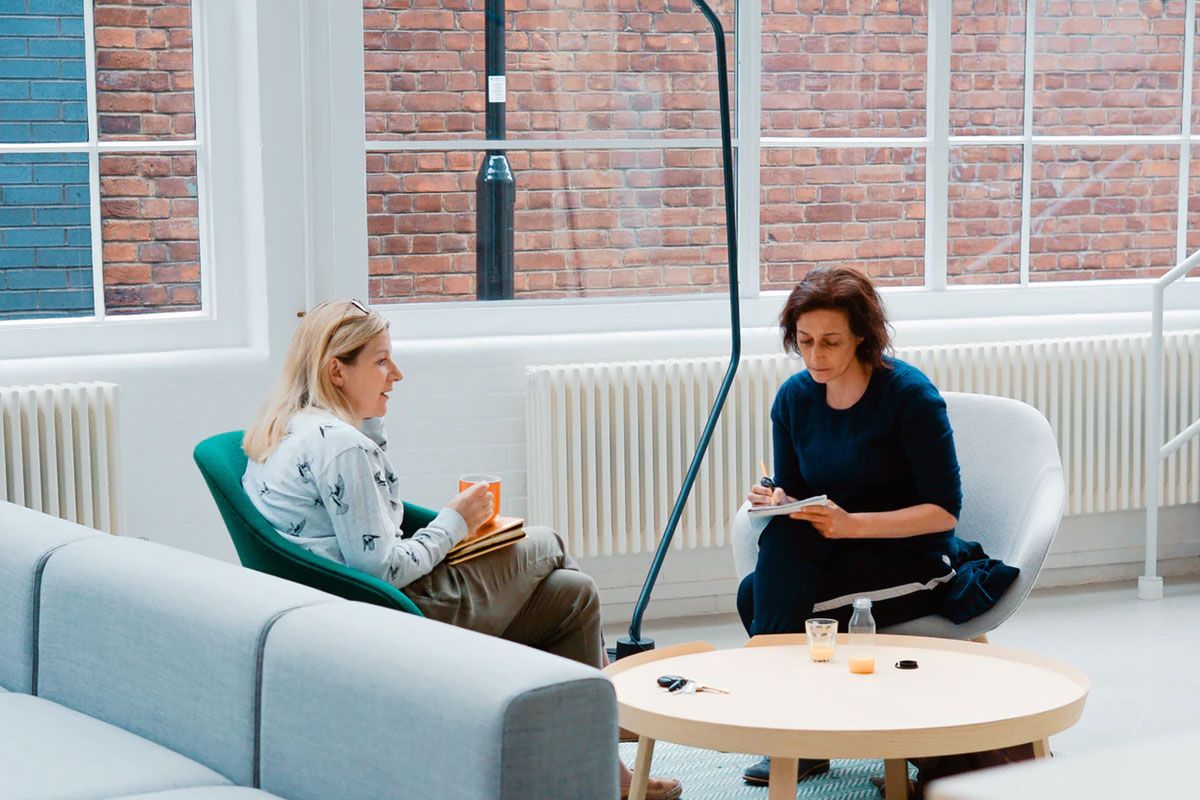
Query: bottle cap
[[862, 602]]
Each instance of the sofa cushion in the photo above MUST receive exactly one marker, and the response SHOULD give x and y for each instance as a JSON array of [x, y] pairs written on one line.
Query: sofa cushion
[[205, 793], [26, 537], [360, 702], [48, 752], [161, 642]]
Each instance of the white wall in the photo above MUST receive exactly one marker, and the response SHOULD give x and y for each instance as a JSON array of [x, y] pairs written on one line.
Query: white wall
[[461, 407]]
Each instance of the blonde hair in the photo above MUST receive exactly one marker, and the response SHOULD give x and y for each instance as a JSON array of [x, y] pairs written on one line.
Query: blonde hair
[[334, 329]]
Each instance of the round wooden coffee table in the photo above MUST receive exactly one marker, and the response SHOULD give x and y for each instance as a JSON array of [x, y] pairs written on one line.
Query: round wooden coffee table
[[962, 698]]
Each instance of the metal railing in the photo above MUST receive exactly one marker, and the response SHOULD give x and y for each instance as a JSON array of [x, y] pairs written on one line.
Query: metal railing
[[1150, 585]]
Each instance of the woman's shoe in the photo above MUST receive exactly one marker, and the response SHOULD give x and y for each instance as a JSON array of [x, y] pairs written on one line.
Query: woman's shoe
[[759, 773], [657, 789]]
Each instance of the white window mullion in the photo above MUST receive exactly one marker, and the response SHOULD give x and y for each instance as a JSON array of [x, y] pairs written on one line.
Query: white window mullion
[[200, 103], [1185, 147], [1027, 141], [748, 132], [937, 152], [93, 123]]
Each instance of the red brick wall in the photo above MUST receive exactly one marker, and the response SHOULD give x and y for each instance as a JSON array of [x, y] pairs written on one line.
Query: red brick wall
[[144, 91], [150, 230], [983, 228], [844, 67], [620, 68], [987, 66], [1103, 211], [576, 68], [854, 207], [602, 223], [1108, 67]]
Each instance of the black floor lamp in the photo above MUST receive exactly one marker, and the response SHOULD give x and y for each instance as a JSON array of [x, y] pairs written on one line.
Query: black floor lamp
[[634, 642]]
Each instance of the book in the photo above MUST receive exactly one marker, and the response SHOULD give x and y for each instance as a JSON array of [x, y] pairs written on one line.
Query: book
[[757, 512], [499, 533]]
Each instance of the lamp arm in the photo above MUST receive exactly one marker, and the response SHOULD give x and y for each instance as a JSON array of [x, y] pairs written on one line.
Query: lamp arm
[[634, 643]]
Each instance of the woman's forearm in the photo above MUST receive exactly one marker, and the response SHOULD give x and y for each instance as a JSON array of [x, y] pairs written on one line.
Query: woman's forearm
[[902, 523]]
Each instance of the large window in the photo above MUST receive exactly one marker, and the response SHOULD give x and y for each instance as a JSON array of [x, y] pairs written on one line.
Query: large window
[[99, 160], [937, 145]]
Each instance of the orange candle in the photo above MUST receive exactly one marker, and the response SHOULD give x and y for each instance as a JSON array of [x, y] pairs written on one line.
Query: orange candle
[[821, 653], [862, 665]]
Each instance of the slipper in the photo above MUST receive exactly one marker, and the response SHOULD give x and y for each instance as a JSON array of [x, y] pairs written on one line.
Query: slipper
[[658, 789]]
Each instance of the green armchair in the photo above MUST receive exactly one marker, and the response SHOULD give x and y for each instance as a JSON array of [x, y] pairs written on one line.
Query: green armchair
[[259, 546]]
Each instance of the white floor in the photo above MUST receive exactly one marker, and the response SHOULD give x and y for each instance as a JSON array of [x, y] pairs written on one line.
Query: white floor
[[1143, 657]]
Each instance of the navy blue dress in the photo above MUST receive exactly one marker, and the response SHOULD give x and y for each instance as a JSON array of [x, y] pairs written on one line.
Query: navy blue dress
[[892, 449]]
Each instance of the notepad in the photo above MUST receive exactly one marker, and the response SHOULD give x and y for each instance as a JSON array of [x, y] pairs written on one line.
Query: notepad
[[786, 508], [498, 534]]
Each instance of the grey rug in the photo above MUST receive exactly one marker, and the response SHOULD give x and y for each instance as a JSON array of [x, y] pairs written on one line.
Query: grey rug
[[709, 775]]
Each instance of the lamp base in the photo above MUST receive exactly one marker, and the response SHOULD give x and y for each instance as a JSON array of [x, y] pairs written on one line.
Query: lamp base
[[1149, 588], [628, 647]]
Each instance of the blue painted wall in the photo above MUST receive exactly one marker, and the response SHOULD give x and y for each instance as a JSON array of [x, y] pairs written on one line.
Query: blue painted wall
[[45, 225], [45, 236]]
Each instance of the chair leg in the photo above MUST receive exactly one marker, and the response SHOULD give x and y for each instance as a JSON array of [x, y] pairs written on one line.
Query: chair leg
[[981, 638]]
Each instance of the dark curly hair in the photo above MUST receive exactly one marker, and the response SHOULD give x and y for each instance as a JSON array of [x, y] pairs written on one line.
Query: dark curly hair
[[846, 290]]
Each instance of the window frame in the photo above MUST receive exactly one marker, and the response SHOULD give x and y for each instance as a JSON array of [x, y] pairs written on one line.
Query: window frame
[[220, 322], [935, 299]]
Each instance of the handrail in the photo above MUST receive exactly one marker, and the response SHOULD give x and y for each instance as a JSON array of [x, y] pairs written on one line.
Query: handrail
[[1150, 585]]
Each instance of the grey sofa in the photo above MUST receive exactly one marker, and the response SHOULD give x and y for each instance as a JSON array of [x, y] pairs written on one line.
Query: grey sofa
[[129, 669]]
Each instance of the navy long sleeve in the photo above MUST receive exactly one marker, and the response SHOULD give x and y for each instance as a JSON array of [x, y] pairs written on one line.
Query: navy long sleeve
[[892, 449]]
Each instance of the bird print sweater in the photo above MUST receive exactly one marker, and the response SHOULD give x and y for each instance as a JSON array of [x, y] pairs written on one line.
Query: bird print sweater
[[329, 487]]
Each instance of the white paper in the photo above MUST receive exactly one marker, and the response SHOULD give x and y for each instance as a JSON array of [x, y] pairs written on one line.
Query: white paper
[[786, 508], [495, 88]]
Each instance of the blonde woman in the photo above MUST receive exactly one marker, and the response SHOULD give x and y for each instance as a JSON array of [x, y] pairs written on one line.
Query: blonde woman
[[318, 471]]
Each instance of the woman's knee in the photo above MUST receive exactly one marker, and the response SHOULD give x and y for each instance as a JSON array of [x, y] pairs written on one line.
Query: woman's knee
[[745, 601], [577, 590]]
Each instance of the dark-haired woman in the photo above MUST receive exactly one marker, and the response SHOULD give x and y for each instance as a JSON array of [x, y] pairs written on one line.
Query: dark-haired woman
[[871, 433]]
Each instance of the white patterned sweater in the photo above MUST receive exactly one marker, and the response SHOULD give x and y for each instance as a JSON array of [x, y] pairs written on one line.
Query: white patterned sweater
[[329, 487]]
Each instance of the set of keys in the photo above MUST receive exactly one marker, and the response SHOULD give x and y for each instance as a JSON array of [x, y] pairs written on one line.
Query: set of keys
[[676, 683]]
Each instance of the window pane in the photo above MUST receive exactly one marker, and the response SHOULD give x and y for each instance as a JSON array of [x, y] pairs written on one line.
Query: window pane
[[1103, 211], [983, 238], [851, 207], [1193, 210], [43, 89], [987, 67], [45, 236], [150, 225], [586, 224], [144, 78], [843, 67], [612, 69], [1104, 67]]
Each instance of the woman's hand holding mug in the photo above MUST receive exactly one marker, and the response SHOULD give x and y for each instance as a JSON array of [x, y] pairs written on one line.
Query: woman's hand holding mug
[[474, 504]]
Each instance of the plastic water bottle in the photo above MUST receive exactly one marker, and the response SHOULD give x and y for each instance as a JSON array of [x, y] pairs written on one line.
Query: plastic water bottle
[[862, 638]]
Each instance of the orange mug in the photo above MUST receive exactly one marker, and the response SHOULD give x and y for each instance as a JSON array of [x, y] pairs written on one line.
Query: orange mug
[[493, 483]]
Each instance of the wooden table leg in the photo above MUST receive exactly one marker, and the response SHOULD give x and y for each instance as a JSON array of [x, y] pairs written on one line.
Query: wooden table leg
[[895, 778], [1041, 748], [783, 779], [641, 768]]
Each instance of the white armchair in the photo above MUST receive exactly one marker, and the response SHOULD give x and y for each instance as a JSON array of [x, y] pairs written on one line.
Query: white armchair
[[1013, 500]]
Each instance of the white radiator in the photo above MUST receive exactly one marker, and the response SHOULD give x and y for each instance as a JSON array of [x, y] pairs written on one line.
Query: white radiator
[[609, 444], [58, 451]]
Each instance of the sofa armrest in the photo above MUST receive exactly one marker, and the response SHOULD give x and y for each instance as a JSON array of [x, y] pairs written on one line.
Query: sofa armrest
[[359, 702]]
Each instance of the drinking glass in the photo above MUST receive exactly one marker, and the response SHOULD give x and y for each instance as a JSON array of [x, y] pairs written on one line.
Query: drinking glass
[[822, 638]]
